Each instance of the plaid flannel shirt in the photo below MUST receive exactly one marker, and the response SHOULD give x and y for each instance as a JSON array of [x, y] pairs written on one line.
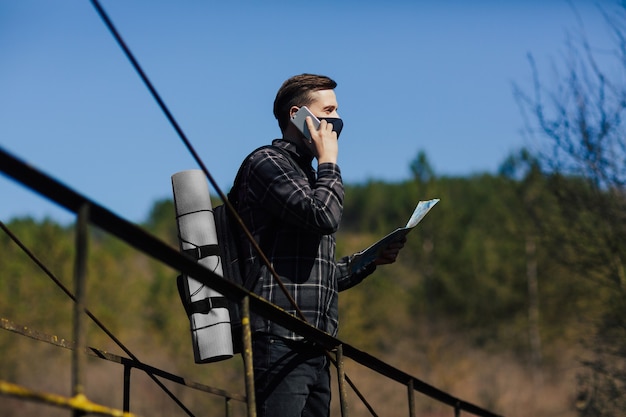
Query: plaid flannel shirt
[[293, 213]]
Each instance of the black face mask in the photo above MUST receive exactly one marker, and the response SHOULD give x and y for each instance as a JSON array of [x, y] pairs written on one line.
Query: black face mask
[[336, 122]]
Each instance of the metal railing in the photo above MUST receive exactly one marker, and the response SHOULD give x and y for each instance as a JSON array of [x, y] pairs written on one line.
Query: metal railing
[[90, 212], [14, 390]]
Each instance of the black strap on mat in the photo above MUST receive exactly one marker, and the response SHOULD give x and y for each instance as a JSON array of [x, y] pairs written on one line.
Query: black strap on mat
[[202, 306], [201, 252]]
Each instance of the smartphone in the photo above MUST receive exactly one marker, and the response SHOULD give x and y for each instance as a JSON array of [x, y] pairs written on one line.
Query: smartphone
[[299, 119]]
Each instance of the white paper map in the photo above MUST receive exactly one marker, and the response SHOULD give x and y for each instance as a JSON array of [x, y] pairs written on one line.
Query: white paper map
[[370, 254]]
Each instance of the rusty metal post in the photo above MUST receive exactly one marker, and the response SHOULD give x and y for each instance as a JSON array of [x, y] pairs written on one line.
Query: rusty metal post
[[247, 355], [341, 377], [411, 398], [126, 405], [227, 407], [79, 355]]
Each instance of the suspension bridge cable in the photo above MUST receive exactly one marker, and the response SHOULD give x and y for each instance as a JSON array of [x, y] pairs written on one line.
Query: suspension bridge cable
[[192, 150], [107, 21]]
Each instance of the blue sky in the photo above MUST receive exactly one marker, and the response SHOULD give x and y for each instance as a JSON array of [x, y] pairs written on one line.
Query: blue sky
[[413, 75]]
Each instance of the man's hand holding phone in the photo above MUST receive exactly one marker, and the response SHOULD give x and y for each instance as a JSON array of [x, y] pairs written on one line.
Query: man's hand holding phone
[[325, 141], [319, 136]]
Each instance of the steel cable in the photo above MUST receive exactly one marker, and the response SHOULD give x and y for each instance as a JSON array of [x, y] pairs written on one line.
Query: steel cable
[[101, 325], [192, 151]]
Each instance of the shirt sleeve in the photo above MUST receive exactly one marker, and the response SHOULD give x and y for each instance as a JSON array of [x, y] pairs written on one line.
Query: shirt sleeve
[[346, 278], [294, 196]]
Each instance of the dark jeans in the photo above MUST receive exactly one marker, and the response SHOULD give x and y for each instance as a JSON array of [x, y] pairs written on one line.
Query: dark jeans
[[292, 379]]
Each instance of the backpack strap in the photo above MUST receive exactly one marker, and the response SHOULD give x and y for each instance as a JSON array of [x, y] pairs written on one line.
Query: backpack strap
[[251, 278], [233, 191]]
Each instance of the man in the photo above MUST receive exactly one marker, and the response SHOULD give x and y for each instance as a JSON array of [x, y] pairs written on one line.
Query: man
[[293, 211]]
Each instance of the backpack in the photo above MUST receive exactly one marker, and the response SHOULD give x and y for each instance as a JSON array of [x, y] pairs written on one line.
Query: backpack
[[209, 339]]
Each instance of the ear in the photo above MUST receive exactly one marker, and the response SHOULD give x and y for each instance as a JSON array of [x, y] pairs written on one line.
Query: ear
[[293, 110]]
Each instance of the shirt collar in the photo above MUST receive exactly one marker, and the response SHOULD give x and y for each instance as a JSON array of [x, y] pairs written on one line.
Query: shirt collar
[[301, 157]]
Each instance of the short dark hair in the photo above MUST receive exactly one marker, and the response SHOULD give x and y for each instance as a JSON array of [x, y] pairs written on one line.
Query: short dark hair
[[296, 91]]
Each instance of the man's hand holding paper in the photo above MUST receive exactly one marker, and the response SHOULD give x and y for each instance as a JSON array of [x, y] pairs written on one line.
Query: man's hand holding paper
[[386, 250], [390, 253]]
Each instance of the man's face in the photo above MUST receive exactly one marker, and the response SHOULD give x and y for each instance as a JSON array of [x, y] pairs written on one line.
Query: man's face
[[324, 103]]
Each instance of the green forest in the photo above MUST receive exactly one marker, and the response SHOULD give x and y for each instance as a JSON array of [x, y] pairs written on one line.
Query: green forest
[[511, 293]]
